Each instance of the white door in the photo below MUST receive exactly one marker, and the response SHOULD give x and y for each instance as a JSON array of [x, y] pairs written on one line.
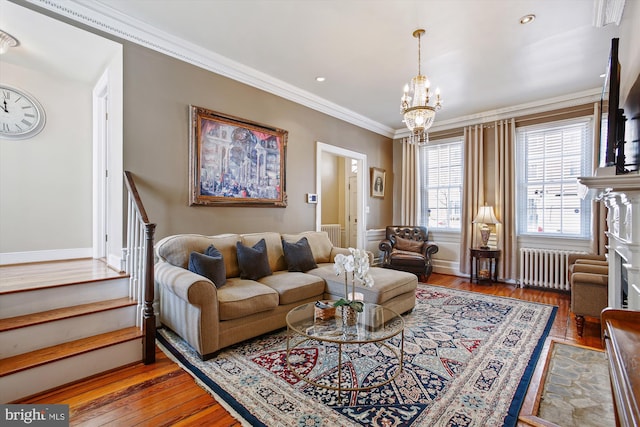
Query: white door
[[352, 202]]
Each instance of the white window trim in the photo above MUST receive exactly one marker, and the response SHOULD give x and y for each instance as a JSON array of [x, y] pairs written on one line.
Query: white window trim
[[585, 205]]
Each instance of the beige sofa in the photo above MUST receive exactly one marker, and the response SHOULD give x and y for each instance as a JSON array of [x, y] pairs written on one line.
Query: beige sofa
[[210, 318]]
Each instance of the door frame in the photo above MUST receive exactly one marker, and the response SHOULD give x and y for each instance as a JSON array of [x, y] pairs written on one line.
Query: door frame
[[100, 167], [362, 178]]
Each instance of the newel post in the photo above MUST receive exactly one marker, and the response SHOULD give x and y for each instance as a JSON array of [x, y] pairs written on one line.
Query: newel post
[[149, 317]]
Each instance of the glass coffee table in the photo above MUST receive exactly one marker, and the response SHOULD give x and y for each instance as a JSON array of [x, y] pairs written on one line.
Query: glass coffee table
[[376, 326]]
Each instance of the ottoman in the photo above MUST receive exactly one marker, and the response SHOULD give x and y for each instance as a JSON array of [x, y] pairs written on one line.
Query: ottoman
[[391, 288]]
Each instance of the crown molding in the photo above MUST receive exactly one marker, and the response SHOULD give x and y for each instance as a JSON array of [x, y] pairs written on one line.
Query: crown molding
[[607, 12], [104, 18], [536, 107]]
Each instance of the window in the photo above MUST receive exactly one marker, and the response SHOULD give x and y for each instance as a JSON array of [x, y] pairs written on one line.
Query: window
[[549, 159], [441, 184]]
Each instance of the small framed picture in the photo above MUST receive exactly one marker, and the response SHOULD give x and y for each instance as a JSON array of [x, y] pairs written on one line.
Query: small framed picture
[[377, 182]]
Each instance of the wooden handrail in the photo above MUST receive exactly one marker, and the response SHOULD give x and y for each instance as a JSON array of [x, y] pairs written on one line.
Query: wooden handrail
[[131, 186], [146, 257]]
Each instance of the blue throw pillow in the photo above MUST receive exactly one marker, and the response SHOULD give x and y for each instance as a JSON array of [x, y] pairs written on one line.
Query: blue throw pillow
[[253, 262], [298, 256], [210, 265]]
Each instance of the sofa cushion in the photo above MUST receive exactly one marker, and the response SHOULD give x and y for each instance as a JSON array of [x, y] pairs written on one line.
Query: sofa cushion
[[274, 247], [209, 266], [298, 256], [387, 284], [177, 249], [253, 261], [408, 245], [318, 242], [294, 286], [241, 298]]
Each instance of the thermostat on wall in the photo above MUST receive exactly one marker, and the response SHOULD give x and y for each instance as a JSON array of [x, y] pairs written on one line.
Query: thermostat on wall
[[312, 198]]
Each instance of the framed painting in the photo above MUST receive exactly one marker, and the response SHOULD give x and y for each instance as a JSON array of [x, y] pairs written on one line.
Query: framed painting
[[377, 182], [235, 162]]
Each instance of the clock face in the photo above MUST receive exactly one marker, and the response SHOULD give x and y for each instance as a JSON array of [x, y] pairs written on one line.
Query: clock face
[[21, 115]]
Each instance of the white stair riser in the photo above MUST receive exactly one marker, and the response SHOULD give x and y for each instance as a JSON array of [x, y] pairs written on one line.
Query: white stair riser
[[38, 300], [45, 377], [34, 337]]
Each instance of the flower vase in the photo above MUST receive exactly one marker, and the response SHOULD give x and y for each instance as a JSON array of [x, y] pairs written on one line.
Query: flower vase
[[349, 321]]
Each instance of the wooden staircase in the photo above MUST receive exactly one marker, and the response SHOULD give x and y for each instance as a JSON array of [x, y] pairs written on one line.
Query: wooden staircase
[[61, 322]]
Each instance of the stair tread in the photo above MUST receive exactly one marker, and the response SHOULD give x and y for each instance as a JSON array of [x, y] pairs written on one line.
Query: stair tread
[[21, 362], [63, 313], [26, 277]]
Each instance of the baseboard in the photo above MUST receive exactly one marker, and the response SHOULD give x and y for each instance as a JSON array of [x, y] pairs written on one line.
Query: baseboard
[[7, 258], [451, 268]]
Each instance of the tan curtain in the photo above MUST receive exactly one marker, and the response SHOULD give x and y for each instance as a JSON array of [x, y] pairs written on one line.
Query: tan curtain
[[472, 190], [598, 210], [505, 197], [410, 200]]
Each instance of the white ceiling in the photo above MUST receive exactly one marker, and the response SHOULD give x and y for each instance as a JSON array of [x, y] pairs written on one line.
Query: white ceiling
[[48, 44], [477, 52]]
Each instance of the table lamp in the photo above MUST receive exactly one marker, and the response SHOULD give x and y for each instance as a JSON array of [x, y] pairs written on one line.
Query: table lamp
[[485, 216]]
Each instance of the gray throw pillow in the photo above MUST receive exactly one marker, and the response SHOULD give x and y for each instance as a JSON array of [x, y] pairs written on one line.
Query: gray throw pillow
[[253, 262], [298, 256], [210, 265]]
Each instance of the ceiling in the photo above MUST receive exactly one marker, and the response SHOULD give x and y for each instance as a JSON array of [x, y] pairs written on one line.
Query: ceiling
[[476, 52]]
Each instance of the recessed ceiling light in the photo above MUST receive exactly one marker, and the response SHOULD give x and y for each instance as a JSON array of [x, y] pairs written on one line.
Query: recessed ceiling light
[[603, 75], [527, 18], [7, 41], [320, 79]]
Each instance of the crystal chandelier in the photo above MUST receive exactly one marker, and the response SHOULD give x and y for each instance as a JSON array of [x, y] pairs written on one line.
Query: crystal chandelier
[[414, 104]]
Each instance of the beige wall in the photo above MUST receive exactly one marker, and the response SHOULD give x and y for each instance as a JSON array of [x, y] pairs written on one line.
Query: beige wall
[[157, 93], [46, 181], [331, 188]]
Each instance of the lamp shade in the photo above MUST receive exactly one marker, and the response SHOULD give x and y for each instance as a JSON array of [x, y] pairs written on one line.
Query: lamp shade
[[486, 216]]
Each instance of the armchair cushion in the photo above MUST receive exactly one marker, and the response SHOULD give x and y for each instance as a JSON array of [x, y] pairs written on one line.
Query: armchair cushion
[[408, 245]]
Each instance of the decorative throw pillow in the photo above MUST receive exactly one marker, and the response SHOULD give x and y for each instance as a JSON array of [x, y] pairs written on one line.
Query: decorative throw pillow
[[210, 265], [253, 262], [408, 245], [298, 256]]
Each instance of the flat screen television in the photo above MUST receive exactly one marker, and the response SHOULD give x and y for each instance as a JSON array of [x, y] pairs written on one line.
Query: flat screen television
[[609, 108], [612, 124]]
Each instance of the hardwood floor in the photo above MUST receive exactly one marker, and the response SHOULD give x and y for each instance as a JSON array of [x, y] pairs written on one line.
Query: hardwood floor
[[19, 277], [163, 394]]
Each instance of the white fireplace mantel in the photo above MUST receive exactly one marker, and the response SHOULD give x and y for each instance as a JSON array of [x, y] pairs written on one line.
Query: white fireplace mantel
[[621, 196]]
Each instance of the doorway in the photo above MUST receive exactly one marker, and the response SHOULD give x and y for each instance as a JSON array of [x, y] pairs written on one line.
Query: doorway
[[359, 193]]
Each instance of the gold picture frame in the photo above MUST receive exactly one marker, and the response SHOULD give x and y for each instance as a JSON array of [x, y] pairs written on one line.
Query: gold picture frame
[[235, 162], [378, 182]]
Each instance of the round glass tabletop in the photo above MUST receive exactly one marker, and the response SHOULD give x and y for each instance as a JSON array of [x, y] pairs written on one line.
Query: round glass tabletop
[[374, 323]]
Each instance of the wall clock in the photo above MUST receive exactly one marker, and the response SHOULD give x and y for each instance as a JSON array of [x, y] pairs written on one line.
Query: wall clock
[[21, 115]]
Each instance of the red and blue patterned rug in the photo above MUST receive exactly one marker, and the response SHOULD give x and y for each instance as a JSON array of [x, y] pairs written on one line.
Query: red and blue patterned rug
[[468, 360]]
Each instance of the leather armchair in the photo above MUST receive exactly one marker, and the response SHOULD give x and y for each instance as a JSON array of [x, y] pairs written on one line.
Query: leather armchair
[[589, 278], [406, 248]]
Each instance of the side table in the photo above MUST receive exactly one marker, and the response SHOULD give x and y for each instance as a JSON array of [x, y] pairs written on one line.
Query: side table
[[491, 256]]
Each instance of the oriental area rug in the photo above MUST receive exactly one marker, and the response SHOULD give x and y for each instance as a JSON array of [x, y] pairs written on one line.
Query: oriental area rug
[[468, 359]]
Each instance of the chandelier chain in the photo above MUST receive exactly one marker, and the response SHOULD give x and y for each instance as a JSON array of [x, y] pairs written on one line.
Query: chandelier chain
[[419, 53]]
